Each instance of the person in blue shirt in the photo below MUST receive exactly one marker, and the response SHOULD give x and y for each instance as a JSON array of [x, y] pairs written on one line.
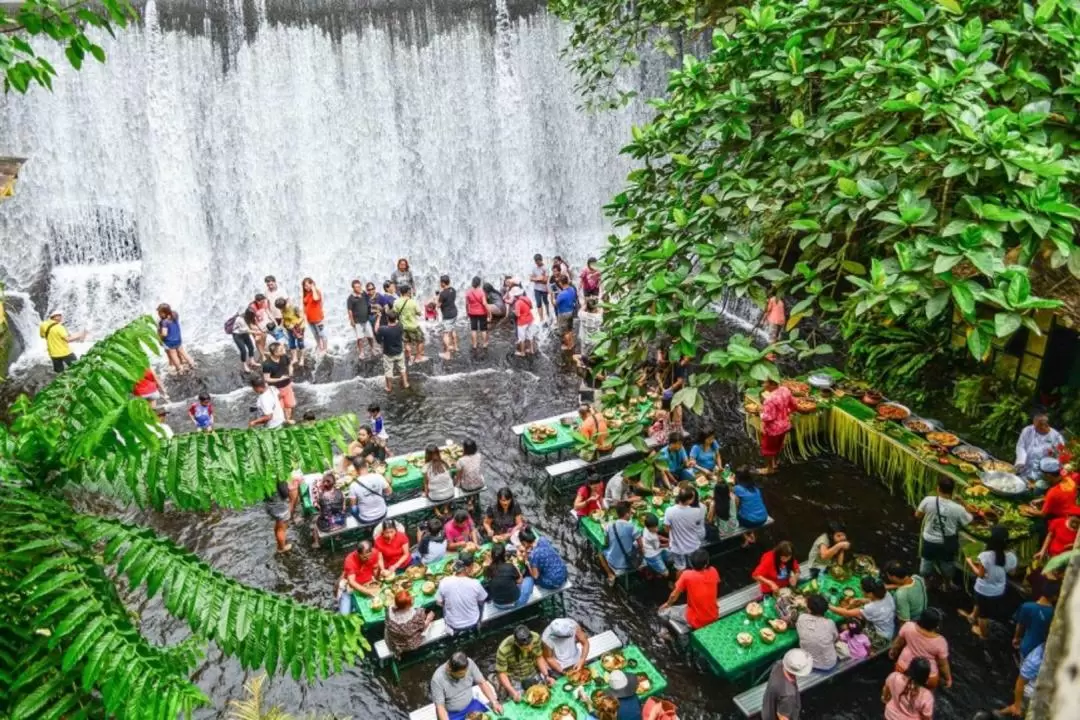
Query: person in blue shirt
[[1033, 621], [750, 504], [169, 331], [545, 565], [566, 302], [706, 452], [676, 463], [622, 538]]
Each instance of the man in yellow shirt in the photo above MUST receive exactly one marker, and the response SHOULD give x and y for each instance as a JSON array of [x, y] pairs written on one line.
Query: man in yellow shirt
[[56, 341], [408, 311]]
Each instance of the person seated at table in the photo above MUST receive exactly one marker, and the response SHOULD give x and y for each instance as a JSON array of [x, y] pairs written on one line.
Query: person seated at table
[[470, 475], [685, 525], [392, 544], [817, 633], [544, 563], [589, 496], [594, 427], [908, 589], [461, 596], [828, 549], [921, 639], [878, 608], [365, 446], [701, 583], [749, 505], [623, 687], [431, 543], [367, 495], [520, 663], [778, 568], [508, 587], [452, 689], [405, 624], [504, 518], [460, 531], [721, 510], [604, 707], [654, 546], [622, 549], [1060, 537], [622, 487], [565, 645], [706, 451], [329, 502], [1037, 441], [361, 565], [675, 463], [438, 482]]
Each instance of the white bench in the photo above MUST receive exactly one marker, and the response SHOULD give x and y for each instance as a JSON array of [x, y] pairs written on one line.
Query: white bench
[[598, 645], [736, 601], [749, 702], [393, 512], [574, 465]]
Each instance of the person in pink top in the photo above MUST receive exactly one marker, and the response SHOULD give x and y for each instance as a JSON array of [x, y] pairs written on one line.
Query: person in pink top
[[479, 313], [526, 331], [460, 531], [906, 696], [922, 640], [776, 412], [775, 317]]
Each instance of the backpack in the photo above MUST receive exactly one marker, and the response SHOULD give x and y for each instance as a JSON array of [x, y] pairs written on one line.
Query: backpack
[[230, 325]]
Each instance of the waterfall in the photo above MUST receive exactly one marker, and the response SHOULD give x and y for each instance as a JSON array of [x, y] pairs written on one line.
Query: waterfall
[[227, 141], [745, 314]]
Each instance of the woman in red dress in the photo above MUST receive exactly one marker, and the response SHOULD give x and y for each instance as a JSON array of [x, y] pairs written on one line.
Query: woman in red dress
[[776, 411]]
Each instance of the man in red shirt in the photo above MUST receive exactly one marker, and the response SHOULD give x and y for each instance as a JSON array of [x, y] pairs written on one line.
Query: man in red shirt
[[526, 331], [392, 547], [701, 583], [1060, 499], [360, 567]]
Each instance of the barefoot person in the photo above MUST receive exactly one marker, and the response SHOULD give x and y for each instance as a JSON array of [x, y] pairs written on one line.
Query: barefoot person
[[391, 337], [402, 275], [293, 326], [277, 370], [446, 300], [358, 306], [408, 311], [479, 312], [541, 281], [526, 331], [776, 411], [169, 330], [313, 312]]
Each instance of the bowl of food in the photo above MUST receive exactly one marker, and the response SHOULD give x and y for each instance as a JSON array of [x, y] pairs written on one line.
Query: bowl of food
[[871, 398], [612, 661], [767, 635], [657, 500], [744, 639], [849, 592], [796, 387], [920, 425], [478, 715], [564, 712], [1004, 483], [805, 405], [609, 414], [821, 381], [387, 575], [377, 603], [597, 516], [944, 439], [778, 625], [971, 454], [566, 421], [839, 572], [892, 411], [399, 470], [997, 466], [864, 565], [701, 481], [751, 407], [428, 588], [415, 572], [537, 695], [580, 677], [754, 610], [644, 685]]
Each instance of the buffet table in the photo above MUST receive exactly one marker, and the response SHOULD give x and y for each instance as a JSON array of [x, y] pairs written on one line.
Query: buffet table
[[554, 436]]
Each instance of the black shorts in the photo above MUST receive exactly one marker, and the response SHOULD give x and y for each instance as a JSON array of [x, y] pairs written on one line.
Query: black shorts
[[991, 608], [478, 323], [62, 363]]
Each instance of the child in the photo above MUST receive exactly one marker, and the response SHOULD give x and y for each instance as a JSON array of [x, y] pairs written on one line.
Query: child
[[722, 512], [294, 330], [430, 542], [653, 544], [202, 413], [430, 314], [378, 428], [857, 642], [661, 427]]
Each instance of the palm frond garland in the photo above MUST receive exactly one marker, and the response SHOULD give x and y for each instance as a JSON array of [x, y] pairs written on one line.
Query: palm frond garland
[[260, 628], [89, 409], [84, 650], [228, 468]]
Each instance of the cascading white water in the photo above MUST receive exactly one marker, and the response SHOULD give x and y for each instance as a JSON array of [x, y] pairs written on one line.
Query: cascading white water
[[295, 151]]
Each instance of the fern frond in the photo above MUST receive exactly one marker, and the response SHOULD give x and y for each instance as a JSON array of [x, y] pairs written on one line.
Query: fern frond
[[228, 468], [84, 640], [89, 409], [260, 628]]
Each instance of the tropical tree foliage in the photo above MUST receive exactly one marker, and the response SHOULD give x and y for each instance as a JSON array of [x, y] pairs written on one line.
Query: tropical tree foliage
[[66, 24], [888, 160], [68, 645]]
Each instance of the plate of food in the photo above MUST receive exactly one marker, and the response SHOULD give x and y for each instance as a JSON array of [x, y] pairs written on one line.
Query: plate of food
[[971, 454], [967, 468], [864, 565], [796, 387], [596, 695], [805, 405], [657, 500], [580, 677], [839, 572], [920, 425], [778, 625], [893, 411], [399, 470], [428, 588], [997, 466], [478, 715], [377, 603], [820, 380], [415, 572], [1003, 483], [597, 516], [612, 661], [977, 490], [701, 481], [744, 639], [754, 610], [566, 421], [751, 407], [767, 635], [609, 413], [644, 685], [944, 439], [537, 695], [849, 592], [564, 712]]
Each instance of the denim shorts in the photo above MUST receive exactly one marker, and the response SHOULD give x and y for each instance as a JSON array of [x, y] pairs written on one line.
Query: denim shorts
[[542, 298], [658, 563]]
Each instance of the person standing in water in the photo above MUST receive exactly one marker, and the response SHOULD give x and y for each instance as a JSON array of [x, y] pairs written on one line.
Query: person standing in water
[[277, 371], [774, 317], [239, 327], [313, 312], [358, 306], [590, 280], [273, 294], [402, 274], [408, 311], [390, 335], [446, 299], [479, 312], [169, 330], [540, 279], [56, 341], [294, 330]]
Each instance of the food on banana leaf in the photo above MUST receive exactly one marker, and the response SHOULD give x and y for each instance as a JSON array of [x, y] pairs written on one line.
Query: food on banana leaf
[[944, 439], [796, 387]]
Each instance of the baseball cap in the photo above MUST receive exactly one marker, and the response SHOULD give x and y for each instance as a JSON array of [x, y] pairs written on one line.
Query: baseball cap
[[798, 662]]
